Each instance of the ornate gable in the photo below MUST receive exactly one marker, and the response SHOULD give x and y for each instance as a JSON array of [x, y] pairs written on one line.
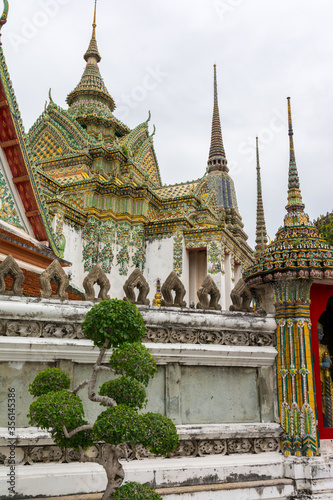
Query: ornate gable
[[147, 161], [57, 134], [10, 209]]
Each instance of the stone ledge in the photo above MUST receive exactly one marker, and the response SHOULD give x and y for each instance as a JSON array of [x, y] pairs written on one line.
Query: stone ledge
[[225, 486], [40, 480], [32, 436], [23, 349], [165, 492]]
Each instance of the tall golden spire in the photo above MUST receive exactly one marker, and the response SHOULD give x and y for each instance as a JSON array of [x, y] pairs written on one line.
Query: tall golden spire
[[92, 52], [295, 202], [91, 84], [94, 22], [217, 159], [261, 234]]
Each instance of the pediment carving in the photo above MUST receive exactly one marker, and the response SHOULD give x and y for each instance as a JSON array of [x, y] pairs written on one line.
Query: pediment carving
[[96, 276], [137, 280], [208, 295], [173, 283], [10, 266], [56, 274], [241, 297]]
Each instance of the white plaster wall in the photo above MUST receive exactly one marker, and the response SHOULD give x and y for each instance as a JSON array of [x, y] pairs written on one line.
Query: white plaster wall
[[73, 253], [159, 262], [117, 281]]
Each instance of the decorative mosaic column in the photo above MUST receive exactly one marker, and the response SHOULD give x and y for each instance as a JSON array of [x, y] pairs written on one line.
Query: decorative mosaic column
[[295, 372]]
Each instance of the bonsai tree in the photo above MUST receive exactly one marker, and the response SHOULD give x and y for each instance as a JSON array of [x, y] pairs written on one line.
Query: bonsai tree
[[118, 325]]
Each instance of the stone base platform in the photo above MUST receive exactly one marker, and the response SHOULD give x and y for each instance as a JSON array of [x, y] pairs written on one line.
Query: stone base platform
[[253, 490], [268, 476], [253, 477]]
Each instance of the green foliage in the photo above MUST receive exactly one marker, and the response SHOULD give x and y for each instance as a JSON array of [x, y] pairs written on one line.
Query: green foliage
[[115, 321], [159, 434], [134, 361], [118, 324], [54, 410], [125, 391], [49, 380], [136, 491], [117, 425]]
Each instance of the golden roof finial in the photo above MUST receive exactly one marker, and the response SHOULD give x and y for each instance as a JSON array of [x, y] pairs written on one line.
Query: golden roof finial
[[94, 23], [92, 51]]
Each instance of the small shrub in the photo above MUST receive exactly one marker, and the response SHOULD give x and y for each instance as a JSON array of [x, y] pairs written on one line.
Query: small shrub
[[134, 361], [118, 424], [49, 380], [115, 321], [136, 491], [53, 410], [125, 391], [159, 434]]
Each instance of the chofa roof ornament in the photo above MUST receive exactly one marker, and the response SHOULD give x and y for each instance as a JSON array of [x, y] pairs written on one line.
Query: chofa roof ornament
[[4, 15]]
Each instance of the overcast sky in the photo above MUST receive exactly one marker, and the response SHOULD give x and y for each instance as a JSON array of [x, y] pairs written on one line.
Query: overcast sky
[[158, 55]]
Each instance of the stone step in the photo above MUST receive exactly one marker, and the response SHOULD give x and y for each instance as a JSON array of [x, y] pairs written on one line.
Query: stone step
[[276, 489], [42, 480]]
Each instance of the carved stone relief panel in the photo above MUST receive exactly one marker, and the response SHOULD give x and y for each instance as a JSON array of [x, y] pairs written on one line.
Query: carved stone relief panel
[[23, 329], [40, 329], [223, 337], [28, 455]]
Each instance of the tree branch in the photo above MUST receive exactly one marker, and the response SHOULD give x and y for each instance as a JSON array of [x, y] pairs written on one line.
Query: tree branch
[[68, 435], [92, 382], [80, 386], [99, 368]]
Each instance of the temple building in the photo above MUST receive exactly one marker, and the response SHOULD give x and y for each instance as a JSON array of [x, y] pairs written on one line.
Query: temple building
[[102, 191]]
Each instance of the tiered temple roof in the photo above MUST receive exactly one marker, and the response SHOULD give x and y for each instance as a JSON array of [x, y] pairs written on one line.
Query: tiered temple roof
[[89, 165]]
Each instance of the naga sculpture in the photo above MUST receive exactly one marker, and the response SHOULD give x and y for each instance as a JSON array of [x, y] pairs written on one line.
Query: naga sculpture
[[137, 280], [241, 297], [208, 288], [10, 266], [56, 274], [173, 283], [96, 276]]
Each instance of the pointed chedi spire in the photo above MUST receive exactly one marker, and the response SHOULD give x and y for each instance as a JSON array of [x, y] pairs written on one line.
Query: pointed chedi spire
[[92, 51], [217, 159], [261, 234], [90, 101], [295, 202]]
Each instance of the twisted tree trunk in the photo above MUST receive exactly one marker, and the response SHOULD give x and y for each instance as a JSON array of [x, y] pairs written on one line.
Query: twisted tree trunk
[[113, 468]]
